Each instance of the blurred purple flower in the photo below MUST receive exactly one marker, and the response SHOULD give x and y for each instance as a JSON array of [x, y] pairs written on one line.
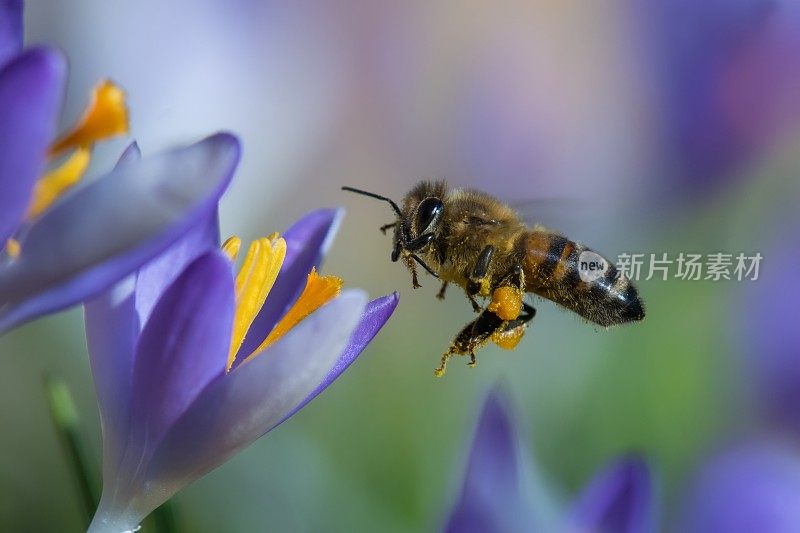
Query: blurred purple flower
[[159, 344], [61, 254], [730, 85], [752, 487], [495, 498], [768, 321]]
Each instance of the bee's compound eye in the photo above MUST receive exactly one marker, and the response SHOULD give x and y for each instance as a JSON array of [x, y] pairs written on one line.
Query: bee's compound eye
[[428, 213]]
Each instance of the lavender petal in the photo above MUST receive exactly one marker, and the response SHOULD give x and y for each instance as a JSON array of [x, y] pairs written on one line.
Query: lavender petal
[[137, 211], [183, 346], [112, 329], [241, 406], [375, 316], [31, 89], [492, 496], [752, 487], [10, 29], [155, 276], [619, 499]]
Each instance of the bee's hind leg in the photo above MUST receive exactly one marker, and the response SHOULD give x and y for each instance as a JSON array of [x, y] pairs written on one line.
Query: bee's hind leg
[[470, 338], [439, 370]]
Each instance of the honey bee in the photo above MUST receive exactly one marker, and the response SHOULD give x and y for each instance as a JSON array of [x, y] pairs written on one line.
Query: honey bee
[[470, 239]]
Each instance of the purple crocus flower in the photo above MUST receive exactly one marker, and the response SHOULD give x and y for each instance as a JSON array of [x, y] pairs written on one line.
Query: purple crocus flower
[[729, 83], [754, 486], [177, 397], [496, 497], [56, 251], [766, 320]]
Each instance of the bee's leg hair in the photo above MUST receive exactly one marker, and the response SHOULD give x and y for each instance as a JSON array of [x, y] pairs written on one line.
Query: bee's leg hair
[[475, 305], [470, 338], [441, 292], [412, 266]]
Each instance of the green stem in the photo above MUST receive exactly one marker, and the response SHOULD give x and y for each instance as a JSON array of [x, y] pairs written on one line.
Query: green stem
[[164, 518], [65, 419]]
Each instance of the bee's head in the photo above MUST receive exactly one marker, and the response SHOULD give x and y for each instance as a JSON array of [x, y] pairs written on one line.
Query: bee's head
[[423, 208], [418, 222], [427, 216]]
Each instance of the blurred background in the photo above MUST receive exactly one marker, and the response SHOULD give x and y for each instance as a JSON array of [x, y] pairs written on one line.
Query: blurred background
[[632, 126]]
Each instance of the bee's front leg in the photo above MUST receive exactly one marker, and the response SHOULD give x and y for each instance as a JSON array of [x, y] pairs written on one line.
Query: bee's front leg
[[387, 227], [412, 266]]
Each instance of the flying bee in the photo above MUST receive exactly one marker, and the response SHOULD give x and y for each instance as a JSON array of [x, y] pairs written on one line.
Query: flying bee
[[470, 239]]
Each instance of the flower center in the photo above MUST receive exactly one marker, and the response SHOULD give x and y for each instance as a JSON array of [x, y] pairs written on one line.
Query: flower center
[[106, 116], [255, 280]]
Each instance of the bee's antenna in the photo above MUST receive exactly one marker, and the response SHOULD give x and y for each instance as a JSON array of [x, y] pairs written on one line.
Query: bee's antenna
[[377, 197]]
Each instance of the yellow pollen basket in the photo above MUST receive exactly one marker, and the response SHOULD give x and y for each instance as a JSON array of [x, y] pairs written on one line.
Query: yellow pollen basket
[[255, 279], [506, 303]]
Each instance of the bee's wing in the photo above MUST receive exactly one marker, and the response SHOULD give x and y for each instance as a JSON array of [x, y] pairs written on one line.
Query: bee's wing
[[563, 214]]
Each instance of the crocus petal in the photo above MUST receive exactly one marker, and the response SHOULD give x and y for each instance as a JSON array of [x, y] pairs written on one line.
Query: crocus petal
[[307, 241], [183, 346], [135, 213], [492, 496], [112, 329], [31, 88], [181, 349], [753, 487], [619, 500], [241, 406], [375, 316], [156, 275], [10, 29], [132, 154]]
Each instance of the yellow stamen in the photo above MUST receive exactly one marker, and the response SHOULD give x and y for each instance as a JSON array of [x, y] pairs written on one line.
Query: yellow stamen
[[13, 248], [56, 182], [106, 116], [254, 281], [231, 247], [318, 291]]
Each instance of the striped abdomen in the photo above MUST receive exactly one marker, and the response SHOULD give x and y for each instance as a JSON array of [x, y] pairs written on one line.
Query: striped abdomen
[[577, 278]]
